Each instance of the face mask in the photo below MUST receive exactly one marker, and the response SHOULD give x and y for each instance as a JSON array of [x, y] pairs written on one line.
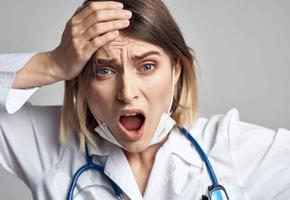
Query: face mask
[[165, 125]]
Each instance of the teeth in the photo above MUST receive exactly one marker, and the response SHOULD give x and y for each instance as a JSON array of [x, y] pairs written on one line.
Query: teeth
[[130, 114]]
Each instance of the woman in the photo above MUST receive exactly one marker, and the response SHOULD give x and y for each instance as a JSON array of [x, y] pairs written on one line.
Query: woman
[[129, 85]]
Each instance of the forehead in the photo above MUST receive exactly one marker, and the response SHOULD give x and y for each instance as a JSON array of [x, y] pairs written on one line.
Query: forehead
[[127, 46]]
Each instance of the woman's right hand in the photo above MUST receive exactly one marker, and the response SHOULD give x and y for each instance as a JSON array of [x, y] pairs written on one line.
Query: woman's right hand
[[90, 28]]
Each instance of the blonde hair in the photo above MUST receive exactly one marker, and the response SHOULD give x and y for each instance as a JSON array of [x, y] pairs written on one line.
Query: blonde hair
[[152, 23]]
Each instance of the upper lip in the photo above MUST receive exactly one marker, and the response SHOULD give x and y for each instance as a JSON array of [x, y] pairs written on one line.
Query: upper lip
[[129, 111]]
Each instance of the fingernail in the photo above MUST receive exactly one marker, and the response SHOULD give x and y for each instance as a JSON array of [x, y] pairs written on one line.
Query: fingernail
[[119, 5], [126, 23], [115, 33], [128, 13]]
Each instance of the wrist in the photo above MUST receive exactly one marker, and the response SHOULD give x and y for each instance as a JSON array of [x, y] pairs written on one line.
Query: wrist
[[54, 66]]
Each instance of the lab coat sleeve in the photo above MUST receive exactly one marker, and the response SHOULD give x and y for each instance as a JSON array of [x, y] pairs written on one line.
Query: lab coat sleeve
[[262, 159], [12, 99], [29, 144]]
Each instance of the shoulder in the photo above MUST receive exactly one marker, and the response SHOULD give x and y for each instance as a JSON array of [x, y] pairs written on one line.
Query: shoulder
[[243, 153], [36, 128], [43, 117], [233, 131], [226, 137], [211, 134], [250, 150], [29, 141]]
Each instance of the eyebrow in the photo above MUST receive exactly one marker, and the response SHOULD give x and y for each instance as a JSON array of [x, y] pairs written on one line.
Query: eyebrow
[[134, 58]]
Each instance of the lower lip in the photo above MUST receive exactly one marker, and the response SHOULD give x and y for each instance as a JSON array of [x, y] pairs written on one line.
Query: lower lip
[[132, 135]]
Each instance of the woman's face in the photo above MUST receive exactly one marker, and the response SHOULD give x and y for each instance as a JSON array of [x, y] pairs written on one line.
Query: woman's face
[[132, 88]]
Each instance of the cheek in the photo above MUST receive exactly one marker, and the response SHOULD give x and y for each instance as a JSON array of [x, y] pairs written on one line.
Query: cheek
[[99, 99], [159, 91]]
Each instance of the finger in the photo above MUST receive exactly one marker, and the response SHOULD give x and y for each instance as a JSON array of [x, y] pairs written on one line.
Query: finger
[[94, 18], [93, 7], [78, 10], [105, 15], [104, 27], [108, 15], [98, 42]]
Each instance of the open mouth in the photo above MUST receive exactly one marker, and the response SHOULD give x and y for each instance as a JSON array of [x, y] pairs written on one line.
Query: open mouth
[[132, 124]]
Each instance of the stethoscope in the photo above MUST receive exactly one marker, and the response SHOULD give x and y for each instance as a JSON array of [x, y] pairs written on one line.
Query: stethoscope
[[215, 191]]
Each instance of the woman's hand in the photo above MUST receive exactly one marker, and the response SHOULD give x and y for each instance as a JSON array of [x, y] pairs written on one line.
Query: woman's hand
[[90, 28]]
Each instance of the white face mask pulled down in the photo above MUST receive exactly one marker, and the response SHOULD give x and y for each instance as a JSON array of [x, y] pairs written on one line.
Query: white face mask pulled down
[[165, 125]]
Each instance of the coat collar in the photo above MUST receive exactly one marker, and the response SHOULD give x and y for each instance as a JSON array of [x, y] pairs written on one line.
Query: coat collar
[[180, 146], [118, 169], [116, 166]]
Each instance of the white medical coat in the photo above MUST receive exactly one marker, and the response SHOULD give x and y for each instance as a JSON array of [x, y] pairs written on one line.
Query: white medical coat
[[250, 161]]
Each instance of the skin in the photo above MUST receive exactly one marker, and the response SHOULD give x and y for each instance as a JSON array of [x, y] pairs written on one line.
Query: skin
[[144, 83], [92, 29]]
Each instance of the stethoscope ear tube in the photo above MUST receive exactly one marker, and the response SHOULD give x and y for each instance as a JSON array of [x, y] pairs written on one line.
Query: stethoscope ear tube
[[75, 180], [91, 166], [216, 190], [202, 155]]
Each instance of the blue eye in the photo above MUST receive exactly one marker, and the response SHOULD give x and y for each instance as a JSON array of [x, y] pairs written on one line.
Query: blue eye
[[148, 67], [104, 72]]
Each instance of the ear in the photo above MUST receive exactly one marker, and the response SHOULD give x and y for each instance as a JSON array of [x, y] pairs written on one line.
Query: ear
[[177, 71]]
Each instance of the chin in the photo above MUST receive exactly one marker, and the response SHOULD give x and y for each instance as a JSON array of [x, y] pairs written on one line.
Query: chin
[[136, 147]]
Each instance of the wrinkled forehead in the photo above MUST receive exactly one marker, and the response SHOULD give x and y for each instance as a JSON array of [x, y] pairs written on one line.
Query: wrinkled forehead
[[123, 45]]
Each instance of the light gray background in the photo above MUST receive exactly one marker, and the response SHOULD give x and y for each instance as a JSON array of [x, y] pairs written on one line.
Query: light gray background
[[243, 49]]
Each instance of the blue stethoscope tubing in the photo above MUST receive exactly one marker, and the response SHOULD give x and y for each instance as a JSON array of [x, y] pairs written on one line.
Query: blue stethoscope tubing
[[202, 155], [90, 165]]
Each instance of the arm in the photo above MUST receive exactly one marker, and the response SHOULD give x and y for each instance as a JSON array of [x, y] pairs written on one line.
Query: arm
[[12, 99], [21, 75], [262, 161], [36, 72], [89, 29], [29, 144]]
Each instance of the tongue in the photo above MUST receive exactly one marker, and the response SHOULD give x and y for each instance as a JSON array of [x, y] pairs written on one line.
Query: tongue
[[131, 122]]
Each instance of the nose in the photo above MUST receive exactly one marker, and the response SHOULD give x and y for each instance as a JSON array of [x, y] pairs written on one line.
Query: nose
[[127, 90]]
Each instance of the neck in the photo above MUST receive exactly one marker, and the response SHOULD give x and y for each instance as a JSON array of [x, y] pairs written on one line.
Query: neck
[[141, 164]]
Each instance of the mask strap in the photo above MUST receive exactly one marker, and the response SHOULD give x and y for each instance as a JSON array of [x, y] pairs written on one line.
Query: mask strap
[[172, 94]]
